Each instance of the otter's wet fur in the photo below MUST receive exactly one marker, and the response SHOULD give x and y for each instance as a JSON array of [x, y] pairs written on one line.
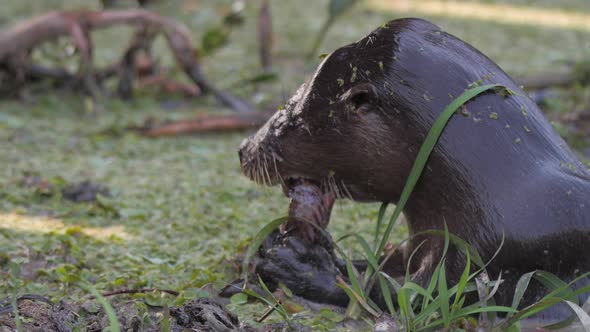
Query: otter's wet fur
[[499, 170]]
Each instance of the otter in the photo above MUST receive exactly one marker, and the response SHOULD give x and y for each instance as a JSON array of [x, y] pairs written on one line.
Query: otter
[[499, 171]]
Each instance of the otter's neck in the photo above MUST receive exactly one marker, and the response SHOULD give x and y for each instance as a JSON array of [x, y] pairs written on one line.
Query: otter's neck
[[485, 173]]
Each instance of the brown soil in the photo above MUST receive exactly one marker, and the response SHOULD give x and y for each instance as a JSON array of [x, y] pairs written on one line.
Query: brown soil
[[40, 314]]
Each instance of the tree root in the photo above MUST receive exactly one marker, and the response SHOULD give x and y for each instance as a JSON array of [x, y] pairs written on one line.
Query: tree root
[[205, 124], [16, 46]]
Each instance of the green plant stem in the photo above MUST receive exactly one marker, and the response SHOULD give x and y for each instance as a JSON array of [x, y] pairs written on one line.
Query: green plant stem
[[415, 172], [112, 316], [17, 321], [320, 37], [424, 154]]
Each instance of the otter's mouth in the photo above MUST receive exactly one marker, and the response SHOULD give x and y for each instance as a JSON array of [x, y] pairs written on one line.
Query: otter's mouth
[[290, 183], [309, 209], [311, 200]]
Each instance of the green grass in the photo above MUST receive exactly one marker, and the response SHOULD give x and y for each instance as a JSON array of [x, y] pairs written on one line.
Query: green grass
[[181, 210]]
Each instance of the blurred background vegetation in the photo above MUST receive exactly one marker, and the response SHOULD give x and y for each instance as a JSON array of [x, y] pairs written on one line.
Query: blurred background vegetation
[[179, 210]]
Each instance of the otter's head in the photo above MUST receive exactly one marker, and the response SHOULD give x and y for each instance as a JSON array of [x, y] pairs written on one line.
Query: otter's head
[[355, 127], [342, 129]]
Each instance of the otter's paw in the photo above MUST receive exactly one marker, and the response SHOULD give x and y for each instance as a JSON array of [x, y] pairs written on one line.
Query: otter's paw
[[308, 270]]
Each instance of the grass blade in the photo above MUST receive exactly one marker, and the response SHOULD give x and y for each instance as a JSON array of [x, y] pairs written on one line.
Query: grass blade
[[368, 275], [530, 310], [434, 278], [462, 245], [562, 324], [495, 288], [396, 285], [17, 319], [108, 309], [469, 310], [425, 313], [582, 315], [276, 304], [419, 290], [407, 277], [462, 284], [386, 292], [165, 318], [443, 295], [521, 286], [553, 283], [431, 286], [257, 241], [575, 293], [405, 307], [425, 151], [335, 9], [354, 296], [353, 276], [380, 218], [368, 254]]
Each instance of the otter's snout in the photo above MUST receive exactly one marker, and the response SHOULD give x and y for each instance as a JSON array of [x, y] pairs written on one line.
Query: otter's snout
[[247, 155], [260, 143], [242, 150], [250, 149], [253, 148], [258, 159]]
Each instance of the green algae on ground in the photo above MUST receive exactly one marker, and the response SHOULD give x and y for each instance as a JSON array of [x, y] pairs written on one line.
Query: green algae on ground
[[181, 210]]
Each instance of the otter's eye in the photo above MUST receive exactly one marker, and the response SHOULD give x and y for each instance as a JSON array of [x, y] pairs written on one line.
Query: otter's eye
[[360, 97]]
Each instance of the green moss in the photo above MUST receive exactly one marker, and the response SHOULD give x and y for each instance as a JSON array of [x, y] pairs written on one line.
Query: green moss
[[354, 74], [181, 209]]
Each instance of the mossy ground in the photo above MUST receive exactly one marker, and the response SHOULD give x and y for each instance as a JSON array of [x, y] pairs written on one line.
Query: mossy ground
[[180, 208]]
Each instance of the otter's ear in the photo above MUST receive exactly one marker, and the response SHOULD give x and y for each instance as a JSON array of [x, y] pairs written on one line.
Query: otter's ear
[[360, 96]]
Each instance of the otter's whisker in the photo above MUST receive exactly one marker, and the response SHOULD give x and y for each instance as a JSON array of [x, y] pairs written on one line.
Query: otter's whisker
[[330, 185], [334, 187], [266, 170], [257, 170], [254, 172], [277, 157], [346, 191], [340, 193], [261, 170], [278, 175]]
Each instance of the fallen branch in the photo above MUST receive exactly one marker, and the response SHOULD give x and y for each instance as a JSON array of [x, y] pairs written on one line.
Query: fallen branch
[[205, 124], [141, 290], [17, 43], [169, 86], [543, 81]]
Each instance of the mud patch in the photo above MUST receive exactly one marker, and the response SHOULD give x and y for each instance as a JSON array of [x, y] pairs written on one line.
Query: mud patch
[[80, 192], [39, 314], [85, 191], [204, 314]]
